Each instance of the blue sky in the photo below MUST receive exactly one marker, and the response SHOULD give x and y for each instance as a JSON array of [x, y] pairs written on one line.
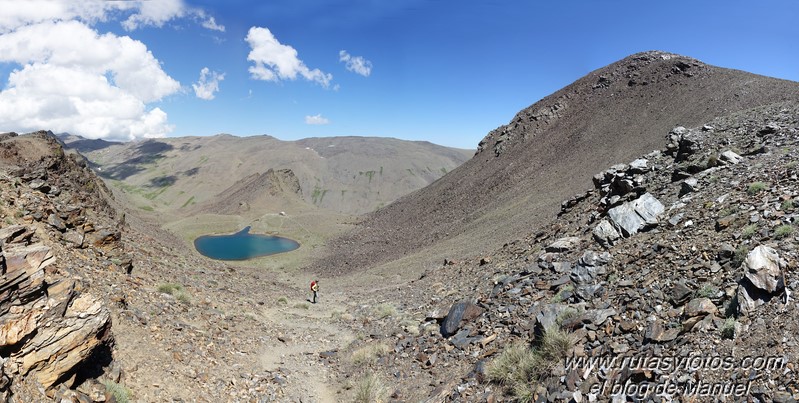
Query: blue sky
[[436, 70]]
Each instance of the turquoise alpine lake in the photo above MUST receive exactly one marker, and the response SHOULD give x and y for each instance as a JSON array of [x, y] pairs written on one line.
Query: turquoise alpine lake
[[242, 245]]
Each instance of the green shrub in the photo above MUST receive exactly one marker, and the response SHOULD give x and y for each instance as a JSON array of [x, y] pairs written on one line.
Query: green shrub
[[563, 290], [787, 205], [120, 393], [303, 305], [739, 256], [728, 329], [283, 301], [756, 187], [749, 231], [169, 288], [707, 291], [183, 298], [782, 231]]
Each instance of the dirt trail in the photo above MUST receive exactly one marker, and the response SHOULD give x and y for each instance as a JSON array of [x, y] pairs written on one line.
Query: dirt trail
[[305, 333]]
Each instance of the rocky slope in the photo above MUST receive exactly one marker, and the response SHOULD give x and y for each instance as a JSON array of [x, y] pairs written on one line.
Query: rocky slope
[[548, 152], [57, 230], [677, 268]]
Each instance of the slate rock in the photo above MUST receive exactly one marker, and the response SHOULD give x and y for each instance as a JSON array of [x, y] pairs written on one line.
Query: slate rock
[[605, 234], [658, 333], [763, 279], [700, 307], [563, 244], [56, 222], [639, 166], [680, 293], [689, 185], [459, 312], [637, 215], [763, 268], [730, 157]]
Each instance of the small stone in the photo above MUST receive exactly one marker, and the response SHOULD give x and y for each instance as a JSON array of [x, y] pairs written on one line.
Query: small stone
[[700, 307], [563, 244], [680, 293], [730, 157], [689, 185]]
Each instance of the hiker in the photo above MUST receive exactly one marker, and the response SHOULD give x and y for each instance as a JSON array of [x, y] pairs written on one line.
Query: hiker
[[315, 289]]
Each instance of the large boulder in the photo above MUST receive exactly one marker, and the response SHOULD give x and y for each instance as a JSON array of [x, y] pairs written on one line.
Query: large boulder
[[458, 313], [763, 278], [630, 218]]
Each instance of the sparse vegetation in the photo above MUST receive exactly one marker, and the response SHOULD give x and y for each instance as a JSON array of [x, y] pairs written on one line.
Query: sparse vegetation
[[559, 297], [708, 291], [120, 393], [567, 314], [175, 290], [318, 194], [782, 231], [749, 231], [188, 202], [725, 212], [370, 389], [520, 366], [369, 353], [411, 326], [283, 301], [756, 187], [183, 298], [169, 288], [303, 305], [712, 161], [739, 256], [728, 329], [787, 205], [385, 310]]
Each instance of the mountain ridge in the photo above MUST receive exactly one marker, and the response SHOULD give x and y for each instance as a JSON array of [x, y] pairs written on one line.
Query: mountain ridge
[[519, 175]]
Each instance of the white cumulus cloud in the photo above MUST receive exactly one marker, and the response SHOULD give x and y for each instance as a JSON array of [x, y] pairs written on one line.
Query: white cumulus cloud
[[355, 64], [155, 13], [210, 23], [275, 61], [208, 84], [316, 120], [139, 13], [72, 79]]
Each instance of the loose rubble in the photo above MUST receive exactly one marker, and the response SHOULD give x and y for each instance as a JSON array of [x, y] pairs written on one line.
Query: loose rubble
[[681, 253]]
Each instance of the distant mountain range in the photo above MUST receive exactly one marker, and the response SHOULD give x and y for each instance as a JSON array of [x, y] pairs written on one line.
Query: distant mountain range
[[351, 175]]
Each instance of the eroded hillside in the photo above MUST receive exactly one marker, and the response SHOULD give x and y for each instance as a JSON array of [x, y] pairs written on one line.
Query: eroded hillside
[[547, 153]]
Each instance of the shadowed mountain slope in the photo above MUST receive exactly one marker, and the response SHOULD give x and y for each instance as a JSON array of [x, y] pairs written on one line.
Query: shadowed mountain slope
[[548, 153]]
